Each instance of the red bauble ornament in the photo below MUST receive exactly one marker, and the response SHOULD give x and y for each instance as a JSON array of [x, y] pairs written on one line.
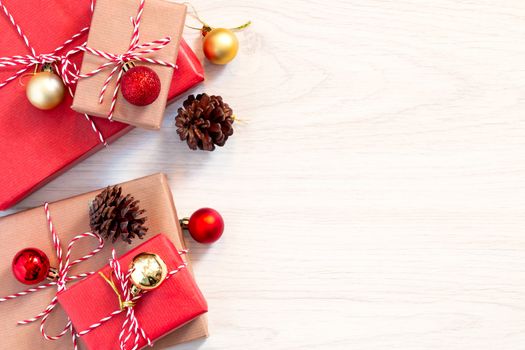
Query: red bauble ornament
[[30, 266], [140, 86], [206, 225]]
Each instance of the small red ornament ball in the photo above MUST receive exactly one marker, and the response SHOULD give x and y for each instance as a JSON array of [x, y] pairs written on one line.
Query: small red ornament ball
[[206, 225], [140, 86], [30, 266]]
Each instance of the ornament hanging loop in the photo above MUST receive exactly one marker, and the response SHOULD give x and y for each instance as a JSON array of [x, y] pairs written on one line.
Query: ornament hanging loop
[[20, 78], [206, 28], [242, 26], [122, 303]]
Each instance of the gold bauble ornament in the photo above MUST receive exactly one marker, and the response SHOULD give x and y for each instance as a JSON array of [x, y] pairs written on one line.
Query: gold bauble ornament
[[148, 272], [45, 90], [220, 45]]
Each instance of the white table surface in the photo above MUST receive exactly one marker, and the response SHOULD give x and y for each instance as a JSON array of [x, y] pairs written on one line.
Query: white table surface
[[374, 197]]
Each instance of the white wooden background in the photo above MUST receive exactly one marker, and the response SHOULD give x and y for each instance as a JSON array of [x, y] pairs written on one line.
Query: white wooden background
[[375, 196]]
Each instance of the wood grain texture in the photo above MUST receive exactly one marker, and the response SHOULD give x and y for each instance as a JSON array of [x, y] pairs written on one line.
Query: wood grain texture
[[374, 196]]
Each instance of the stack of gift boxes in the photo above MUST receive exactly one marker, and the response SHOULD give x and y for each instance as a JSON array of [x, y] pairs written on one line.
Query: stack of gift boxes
[[172, 312], [101, 307]]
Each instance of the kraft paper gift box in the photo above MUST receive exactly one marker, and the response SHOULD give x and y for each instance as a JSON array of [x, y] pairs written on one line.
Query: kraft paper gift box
[[172, 304], [37, 145], [111, 32], [71, 217]]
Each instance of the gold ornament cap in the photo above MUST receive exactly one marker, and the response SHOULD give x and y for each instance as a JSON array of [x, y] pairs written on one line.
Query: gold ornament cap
[[148, 272], [128, 65]]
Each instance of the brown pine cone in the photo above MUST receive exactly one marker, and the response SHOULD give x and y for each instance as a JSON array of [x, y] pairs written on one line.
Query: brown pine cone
[[112, 215], [204, 121]]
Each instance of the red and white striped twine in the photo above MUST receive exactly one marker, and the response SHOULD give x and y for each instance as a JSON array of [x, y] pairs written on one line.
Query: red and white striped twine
[[66, 69], [135, 52], [131, 329], [64, 266]]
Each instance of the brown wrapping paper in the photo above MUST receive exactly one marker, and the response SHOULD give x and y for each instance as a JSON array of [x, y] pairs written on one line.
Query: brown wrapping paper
[[70, 217], [111, 32]]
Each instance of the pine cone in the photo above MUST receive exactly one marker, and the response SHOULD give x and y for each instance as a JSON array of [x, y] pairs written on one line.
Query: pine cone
[[204, 121], [112, 215]]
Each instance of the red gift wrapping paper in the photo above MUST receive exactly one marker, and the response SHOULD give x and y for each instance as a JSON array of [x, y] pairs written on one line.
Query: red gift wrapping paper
[[174, 303], [36, 146]]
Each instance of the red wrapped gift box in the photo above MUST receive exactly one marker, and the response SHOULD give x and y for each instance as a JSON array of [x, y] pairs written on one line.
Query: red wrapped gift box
[[39, 145], [174, 303]]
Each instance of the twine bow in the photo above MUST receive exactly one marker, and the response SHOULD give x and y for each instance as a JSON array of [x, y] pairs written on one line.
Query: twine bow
[[130, 327], [64, 266], [135, 52], [64, 67]]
